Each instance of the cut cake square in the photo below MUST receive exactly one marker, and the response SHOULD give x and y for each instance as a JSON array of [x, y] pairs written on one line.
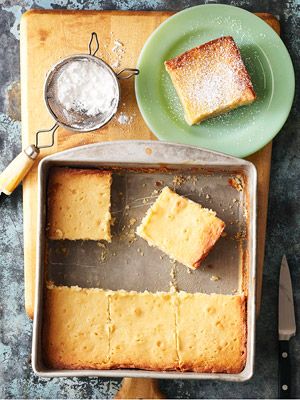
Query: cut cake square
[[76, 328], [79, 204], [211, 79], [211, 332], [143, 331], [97, 329], [181, 228]]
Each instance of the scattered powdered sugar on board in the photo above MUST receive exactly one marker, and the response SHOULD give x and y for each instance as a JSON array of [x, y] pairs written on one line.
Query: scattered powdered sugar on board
[[118, 50], [86, 87], [125, 119]]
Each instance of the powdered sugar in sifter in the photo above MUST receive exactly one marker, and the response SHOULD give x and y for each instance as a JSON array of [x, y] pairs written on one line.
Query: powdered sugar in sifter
[[82, 94]]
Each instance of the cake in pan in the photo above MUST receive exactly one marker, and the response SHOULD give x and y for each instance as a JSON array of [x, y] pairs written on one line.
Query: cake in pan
[[211, 79], [97, 329], [211, 332], [181, 228], [143, 333], [79, 204], [75, 331]]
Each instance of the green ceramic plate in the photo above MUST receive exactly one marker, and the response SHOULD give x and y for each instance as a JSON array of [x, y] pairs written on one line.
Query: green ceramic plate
[[242, 131]]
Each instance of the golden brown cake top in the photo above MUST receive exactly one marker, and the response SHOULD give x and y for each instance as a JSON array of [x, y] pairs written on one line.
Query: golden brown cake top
[[75, 329], [79, 204], [93, 328], [181, 228], [211, 332], [212, 75]]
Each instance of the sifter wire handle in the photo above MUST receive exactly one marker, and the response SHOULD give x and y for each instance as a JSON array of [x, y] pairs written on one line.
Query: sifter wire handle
[[16, 171], [94, 38]]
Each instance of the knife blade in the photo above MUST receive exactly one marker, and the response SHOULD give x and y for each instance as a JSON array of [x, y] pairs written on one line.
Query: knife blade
[[286, 328]]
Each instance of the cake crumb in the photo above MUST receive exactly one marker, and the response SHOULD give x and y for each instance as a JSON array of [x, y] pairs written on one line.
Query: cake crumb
[[173, 289], [237, 183], [240, 235], [215, 278], [103, 256], [113, 221], [173, 282], [178, 180], [59, 233], [132, 221], [172, 273]]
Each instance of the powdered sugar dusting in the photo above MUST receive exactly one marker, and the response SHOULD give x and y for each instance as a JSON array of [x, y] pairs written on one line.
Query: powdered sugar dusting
[[210, 77], [85, 87], [219, 87]]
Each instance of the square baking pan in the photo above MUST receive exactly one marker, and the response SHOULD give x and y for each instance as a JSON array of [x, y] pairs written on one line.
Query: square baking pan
[[140, 169]]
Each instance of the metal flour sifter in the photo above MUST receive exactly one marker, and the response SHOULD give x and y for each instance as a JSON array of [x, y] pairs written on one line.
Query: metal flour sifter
[[76, 118]]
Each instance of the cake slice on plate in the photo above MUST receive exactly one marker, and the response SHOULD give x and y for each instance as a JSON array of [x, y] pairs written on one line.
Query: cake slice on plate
[[211, 79]]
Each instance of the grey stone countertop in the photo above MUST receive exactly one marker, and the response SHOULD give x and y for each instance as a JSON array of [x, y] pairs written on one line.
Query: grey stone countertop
[[283, 232]]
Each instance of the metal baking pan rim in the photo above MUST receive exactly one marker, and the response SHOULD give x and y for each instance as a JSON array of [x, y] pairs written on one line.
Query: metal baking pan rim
[[72, 156], [213, 157]]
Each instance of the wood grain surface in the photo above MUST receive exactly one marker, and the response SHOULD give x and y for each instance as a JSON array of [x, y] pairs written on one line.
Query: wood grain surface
[[139, 388], [48, 36]]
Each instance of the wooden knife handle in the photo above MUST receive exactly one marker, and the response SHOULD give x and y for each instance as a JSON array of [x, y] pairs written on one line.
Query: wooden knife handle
[[139, 388], [284, 379]]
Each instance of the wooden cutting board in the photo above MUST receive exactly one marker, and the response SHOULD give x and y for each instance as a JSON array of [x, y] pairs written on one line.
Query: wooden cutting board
[[48, 36]]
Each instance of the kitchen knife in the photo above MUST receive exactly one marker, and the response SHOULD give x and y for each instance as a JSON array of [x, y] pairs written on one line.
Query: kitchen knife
[[286, 328]]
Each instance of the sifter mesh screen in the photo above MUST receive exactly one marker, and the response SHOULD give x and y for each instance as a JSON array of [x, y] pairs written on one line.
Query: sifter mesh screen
[[76, 118]]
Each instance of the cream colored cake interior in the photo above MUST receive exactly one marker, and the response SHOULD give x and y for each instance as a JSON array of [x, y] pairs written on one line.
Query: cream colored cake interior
[[93, 328], [79, 204], [76, 327], [210, 79], [143, 330], [212, 332], [181, 228]]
